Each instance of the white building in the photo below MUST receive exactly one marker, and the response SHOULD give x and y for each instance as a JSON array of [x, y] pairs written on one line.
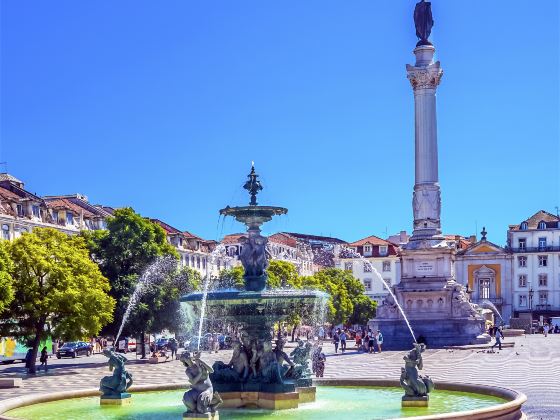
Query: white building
[[383, 257], [21, 211], [535, 246]]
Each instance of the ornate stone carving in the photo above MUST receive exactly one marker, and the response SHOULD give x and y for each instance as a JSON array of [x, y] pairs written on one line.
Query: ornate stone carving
[[426, 204], [424, 77]]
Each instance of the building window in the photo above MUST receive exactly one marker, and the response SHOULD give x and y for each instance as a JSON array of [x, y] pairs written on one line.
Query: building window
[[55, 216], [197, 262], [543, 298], [543, 280], [388, 281], [231, 251], [386, 266], [204, 263], [484, 288], [35, 210], [522, 300], [69, 218], [6, 232], [20, 211], [522, 280], [192, 261], [524, 226], [522, 242], [367, 267], [543, 260], [522, 261], [542, 243], [367, 284], [542, 225], [367, 249], [348, 266], [383, 250]]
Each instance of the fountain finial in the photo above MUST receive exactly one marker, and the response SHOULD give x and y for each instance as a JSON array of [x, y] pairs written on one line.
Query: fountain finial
[[253, 185]]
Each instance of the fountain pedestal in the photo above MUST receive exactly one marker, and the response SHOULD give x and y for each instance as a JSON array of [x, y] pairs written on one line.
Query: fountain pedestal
[[415, 401], [209, 416], [123, 399]]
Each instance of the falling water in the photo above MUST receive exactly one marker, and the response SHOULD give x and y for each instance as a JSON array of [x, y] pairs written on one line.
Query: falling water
[[153, 274], [218, 252], [490, 305], [353, 254]]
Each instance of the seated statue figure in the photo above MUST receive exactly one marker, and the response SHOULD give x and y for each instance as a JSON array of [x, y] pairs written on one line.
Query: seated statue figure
[[269, 369], [117, 383], [415, 385], [237, 370], [200, 398], [301, 355]]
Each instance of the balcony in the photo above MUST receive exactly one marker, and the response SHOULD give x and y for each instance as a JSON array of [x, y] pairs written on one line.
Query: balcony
[[543, 307], [535, 249]]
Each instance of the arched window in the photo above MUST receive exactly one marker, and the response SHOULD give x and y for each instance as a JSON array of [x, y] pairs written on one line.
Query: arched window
[[524, 226], [6, 232], [542, 225]]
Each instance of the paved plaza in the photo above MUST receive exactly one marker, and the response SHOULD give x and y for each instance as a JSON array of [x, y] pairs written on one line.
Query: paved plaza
[[531, 366]]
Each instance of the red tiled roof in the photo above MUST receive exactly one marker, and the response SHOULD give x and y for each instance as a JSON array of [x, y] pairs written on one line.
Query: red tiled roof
[[168, 228], [233, 238], [550, 219], [63, 203], [284, 239], [315, 237], [373, 240], [189, 235], [8, 195]]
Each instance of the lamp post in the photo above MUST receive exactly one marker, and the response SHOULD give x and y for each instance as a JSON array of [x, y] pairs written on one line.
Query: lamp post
[[531, 293]]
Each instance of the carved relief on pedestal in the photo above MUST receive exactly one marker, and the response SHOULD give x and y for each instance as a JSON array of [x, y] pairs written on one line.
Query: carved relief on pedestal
[[426, 204], [424, 77]]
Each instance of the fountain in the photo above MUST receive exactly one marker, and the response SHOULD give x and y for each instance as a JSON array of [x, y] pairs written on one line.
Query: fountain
[[258, 374]]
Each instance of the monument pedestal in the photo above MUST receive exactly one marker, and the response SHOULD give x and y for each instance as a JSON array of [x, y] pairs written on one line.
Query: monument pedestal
[[122, 399], [415, 401]]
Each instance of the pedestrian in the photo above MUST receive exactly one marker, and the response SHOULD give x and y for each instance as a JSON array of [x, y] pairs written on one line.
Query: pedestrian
[[173, 347], [55, 346], [371, 343], [321, 334], [44, 357], [336, 340], [499, 337], [343, 341], [545, 330], [28, 359], [379, 338], [318, 363]]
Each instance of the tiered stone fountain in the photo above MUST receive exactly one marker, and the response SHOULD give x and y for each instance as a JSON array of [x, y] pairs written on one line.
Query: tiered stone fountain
[[258, 374]]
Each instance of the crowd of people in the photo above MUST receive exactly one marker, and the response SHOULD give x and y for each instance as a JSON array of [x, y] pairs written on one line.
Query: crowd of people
[[368, 341]]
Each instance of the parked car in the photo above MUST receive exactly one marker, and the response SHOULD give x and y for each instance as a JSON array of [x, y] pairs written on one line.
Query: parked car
[[73, 349], [161, 343], [225, 341], [126, 344]]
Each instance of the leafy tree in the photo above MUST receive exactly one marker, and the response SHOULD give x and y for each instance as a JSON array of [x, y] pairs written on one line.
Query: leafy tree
[[231, 278], [56, 287], [6, 289], [364, 310], [283, 274], [124, 251]]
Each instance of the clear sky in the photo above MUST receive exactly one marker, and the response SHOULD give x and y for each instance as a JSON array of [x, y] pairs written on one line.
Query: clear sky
[[162, 106]]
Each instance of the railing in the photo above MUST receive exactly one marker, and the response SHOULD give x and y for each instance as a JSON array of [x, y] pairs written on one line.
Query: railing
[[535, 249], [543, 307]]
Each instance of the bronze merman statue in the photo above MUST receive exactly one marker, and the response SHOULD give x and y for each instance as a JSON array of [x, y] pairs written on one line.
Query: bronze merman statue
[[200, 398], [116, 384], [415, 385], [423, 21]]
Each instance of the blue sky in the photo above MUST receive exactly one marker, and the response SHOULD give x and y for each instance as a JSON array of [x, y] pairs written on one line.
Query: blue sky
[[162, 106]]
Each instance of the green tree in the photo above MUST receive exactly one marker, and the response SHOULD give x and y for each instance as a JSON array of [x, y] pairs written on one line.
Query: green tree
[[364, 310], [231, 278], [6, 288], [57, 287], [283, 274], [124, 251]]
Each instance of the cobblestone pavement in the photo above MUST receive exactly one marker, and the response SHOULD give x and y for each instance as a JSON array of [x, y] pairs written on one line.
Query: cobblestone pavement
[[532, 367]]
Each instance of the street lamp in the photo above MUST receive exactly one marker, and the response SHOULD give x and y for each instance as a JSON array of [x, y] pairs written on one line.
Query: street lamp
[[531, 292]]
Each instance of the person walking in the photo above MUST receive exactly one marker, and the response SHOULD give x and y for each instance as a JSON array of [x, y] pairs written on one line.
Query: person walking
[[371, 344], [44, 357], [173, 348], [379, 338], [321, 334], [336, 340], [499, 337], [343, 341], [545, 330]]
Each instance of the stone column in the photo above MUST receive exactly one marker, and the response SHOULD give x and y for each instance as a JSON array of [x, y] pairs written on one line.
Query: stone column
[[424, 77]]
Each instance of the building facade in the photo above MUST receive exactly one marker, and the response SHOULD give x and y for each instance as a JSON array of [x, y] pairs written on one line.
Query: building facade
[[535, 247], [377, 255]]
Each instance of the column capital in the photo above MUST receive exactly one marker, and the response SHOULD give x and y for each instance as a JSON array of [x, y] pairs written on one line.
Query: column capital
[[427, 77]]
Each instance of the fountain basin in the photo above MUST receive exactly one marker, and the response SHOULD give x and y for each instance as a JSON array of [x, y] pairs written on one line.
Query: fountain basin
[[253, 215], [365, 399]]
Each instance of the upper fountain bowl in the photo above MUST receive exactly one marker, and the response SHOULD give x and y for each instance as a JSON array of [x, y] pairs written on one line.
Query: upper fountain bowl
[[253, 216]]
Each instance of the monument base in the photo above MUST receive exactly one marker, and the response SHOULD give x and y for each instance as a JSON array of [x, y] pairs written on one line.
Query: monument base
[[270, 401], [210, 416], [435, 333], [306, 394], [415, 401], [121, 399]]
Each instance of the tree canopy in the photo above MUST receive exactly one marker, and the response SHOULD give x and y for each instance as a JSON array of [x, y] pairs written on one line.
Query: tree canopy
[[56, 287], [6, 288], [124, 252]]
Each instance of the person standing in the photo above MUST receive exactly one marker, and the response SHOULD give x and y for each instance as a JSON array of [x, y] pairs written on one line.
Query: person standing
[[545, 330], [371, 344], [379, 337], [44, 357], [499, 337], [173, 348], [336, 340], [321, 334], [343, 341]]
